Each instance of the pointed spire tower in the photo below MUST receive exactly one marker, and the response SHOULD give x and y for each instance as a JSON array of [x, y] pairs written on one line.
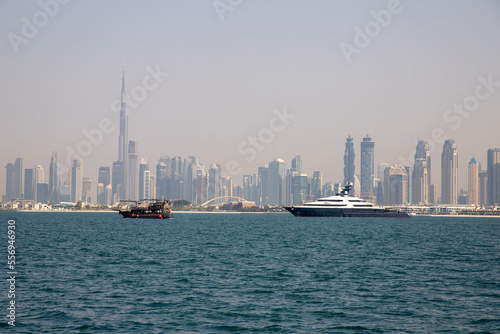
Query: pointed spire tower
[[123, 139], [123, 143]]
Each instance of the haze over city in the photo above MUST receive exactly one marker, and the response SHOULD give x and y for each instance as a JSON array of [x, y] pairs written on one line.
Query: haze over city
[[218, 74], [213, 166]]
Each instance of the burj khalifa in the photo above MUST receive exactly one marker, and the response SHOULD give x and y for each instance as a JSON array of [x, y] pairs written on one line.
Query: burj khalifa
[[119, 171]]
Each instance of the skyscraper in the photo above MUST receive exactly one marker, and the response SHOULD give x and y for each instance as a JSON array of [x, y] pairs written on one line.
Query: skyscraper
[[316, 185], [152, 186], [201, 186], [367, 167], [250, 187], [175, 184], [176, 166], [214, 181], [238, 191], [123, 137], [190, 182], [39, 174], [65, 190], [493, 182], [29, 184], [483, 186], [103, 179], [299, 187], [380, 185], [297, 164], [42, 192], [54, 179], [226, 186], [409, 173], [263, 185], [104, 176], [123, 143], [449, 173], [132, 171], [276, 182], [328, 190], [14, 180], [118, 189], [395, 185], [76, 180], [433, 194], [473, 182], [18, 178], [161, 179], [421, 175], [100, 194], [9, 182], [87, 190], [420, 182], [349, 156], [289, 185], [144, 180], [108, 195], [423, 152]]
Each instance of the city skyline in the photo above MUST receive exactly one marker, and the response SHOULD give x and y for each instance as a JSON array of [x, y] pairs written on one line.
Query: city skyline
[[198, 85], [277, 182]]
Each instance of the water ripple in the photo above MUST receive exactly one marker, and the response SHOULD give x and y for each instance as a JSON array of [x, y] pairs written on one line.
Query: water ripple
[[216, 273]]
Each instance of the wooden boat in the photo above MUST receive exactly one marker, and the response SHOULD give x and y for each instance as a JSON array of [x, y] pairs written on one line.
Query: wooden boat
[[150, 209]]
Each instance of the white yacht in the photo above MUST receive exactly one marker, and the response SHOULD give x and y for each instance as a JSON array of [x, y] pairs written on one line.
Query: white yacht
[[344, 205]]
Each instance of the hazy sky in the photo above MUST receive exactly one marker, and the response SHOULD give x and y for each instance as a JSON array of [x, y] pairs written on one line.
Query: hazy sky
[[340, 67]]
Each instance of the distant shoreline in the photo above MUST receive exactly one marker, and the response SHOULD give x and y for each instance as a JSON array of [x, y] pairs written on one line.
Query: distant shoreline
[[236, 212], [434, 215], [96, 211], [113, 211]]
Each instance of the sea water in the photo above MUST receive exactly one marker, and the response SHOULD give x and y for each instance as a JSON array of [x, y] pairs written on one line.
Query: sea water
[[262, 273]]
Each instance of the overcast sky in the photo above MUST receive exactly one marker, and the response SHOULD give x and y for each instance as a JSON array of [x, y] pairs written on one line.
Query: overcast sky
[[340, 67]]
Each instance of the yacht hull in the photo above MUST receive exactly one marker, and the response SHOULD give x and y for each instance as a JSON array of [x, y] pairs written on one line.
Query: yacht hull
[[301, 211]]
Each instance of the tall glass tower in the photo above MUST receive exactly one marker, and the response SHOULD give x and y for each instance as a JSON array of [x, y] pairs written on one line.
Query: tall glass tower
[[493, 183], [14, 180], [423, 152], [367, 167], [132, 185], [449, 173], [349, 161], [76, 181], [277, 182], [53, 180], [473, 181]]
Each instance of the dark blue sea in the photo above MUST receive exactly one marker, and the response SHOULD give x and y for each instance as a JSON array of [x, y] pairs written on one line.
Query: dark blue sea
[[261, 273]]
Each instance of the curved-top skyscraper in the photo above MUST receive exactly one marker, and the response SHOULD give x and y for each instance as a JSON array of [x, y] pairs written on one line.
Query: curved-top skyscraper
[[349, 161], [367, 167]]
